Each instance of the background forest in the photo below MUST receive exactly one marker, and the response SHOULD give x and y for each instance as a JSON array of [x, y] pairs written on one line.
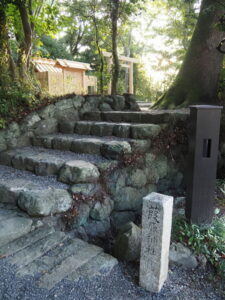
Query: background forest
[[158, 33]]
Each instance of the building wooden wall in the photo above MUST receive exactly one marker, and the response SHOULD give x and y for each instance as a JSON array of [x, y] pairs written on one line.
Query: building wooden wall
[[73, 81], [66, 82], [43, 78], [91, 81], [55, 84]]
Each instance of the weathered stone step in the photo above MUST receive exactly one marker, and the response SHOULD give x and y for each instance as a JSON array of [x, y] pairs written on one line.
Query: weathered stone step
[[122, 130], [38, 196], [13, 182], [37, 249], [52, 253], [25, 241], [143, 104], [150, 117], [7, 214], [47, 262], [111, 148], [43, 161], [101, 264], [69, 265], [14, 227]]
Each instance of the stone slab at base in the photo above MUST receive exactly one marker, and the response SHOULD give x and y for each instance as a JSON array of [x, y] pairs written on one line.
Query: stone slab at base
[[156, 231]]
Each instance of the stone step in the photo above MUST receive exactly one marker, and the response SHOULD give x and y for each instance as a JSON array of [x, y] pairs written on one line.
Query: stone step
[[42, 161], [69, 265], [51, 253], [150, 117], [8, 206], [143, 104], [13, 182], [47, 262], [36, 195], [108, 147], [25, 241], [101, 264], [7, 214], [14, 227], [37, 249], [122, 130]]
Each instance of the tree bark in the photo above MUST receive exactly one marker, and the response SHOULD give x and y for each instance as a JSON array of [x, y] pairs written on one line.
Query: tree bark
[[7, 65], [196, 82], [116, 66], [12, 65], [100, 56], [127, 52], [26, 45], [75, 39], [4, 55]]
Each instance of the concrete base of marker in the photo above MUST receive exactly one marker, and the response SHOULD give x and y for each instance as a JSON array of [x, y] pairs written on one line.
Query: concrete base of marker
[[155, 244]]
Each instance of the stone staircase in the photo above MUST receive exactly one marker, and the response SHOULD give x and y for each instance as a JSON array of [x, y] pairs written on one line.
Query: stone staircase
[[78, 153], [88, 166], [42, 250], [39, 178], [144, 105]]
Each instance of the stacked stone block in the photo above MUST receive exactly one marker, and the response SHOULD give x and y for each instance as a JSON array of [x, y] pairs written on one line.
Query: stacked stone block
[[97, 151]]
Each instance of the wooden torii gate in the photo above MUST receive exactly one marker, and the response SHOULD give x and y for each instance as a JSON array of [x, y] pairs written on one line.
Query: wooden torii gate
[[129, 64]]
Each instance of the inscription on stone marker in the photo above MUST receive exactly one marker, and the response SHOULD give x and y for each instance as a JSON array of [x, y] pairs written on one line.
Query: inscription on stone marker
[[156, 230]]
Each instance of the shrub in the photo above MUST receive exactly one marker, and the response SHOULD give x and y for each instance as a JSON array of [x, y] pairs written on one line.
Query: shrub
[[17, 98], [209, 241]]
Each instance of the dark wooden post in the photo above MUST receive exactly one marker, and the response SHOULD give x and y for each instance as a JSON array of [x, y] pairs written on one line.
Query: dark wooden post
[[202, 163]]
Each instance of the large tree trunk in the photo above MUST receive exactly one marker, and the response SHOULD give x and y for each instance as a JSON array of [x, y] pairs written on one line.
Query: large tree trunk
[[116, 66], [196, 82]]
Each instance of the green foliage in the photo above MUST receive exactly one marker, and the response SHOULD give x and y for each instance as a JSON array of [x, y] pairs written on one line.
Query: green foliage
[[209, 241], [53, 48], [144, 91], [221, 85], [15, 99], [174, 32], [24, 23]]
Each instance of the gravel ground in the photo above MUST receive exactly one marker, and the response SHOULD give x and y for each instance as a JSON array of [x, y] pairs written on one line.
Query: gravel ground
[[121, 284], [8, 173]]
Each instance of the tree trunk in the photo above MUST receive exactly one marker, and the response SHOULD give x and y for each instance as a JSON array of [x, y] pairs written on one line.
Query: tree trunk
[[26, 45], [101, 69], [196, 82], [116, 66], [4, 55], [127, 52], [12, 65]]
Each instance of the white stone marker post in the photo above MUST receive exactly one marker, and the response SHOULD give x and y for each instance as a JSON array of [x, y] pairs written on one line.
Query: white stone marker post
[[155, 243]]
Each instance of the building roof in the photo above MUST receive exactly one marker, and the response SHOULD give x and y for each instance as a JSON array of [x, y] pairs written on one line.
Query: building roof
[[73, 64], [45, 65], [51, 65]]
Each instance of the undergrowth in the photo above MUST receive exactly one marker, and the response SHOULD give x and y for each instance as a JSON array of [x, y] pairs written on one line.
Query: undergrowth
[[208, 241], [171, 138], [19, 99], [16, 98]]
